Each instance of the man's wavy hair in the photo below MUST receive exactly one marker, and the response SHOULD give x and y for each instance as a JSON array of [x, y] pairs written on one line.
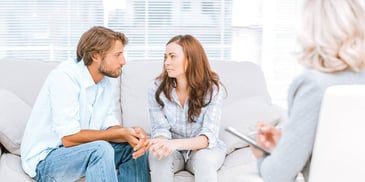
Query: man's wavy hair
[[97, 40]]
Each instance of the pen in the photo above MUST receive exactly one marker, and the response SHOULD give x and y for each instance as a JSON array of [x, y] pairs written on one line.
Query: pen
[[252, 133]]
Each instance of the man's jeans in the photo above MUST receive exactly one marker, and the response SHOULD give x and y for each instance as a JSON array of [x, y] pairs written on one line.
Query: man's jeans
[[99, 161]]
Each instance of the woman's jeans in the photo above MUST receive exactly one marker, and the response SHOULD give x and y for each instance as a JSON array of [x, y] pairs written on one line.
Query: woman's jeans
[[203, 163], [99, 161]]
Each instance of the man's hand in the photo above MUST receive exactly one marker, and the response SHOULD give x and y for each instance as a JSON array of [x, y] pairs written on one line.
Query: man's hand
[[162, 147], [143, 143], [136, 137]]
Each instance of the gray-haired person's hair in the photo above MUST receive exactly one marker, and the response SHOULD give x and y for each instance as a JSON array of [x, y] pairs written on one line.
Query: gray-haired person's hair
[[333, 35]]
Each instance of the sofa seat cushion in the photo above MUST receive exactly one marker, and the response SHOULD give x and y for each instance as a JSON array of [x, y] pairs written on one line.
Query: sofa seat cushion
[[239, 165], [11, 170], [15, 113], [243, 114]]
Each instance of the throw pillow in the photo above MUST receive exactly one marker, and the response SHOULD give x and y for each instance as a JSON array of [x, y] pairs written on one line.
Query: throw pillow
[[243, 115], [13, 118]]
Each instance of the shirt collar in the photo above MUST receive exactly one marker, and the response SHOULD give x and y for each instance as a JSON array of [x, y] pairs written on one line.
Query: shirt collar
[[176, 99], [88, 81]]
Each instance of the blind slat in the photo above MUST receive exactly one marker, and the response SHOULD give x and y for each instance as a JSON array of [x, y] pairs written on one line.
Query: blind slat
[[59, 23]]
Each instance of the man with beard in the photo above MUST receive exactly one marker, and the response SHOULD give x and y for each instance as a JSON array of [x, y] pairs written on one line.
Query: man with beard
[[72, 131]]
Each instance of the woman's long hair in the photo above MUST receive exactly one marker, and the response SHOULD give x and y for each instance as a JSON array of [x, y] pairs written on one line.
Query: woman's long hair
[[200, 77]]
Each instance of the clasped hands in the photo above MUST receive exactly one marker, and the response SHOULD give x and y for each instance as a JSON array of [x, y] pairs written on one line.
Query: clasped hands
[[160, 147], [138, 140]]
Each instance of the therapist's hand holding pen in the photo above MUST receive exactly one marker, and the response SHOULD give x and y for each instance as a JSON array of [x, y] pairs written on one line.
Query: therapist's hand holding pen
[[267, 136]]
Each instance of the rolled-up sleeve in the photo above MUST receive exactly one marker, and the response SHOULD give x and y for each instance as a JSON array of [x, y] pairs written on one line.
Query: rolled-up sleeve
[[212, 118], [110, 120], [159, 123]]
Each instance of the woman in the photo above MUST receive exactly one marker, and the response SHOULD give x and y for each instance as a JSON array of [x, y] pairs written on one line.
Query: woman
[[333, 51], [185, 104]]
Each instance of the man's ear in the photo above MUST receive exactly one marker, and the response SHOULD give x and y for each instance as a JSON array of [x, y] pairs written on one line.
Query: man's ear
[[96, 57]]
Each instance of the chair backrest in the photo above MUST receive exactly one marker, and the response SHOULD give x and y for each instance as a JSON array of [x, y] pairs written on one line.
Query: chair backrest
[[339, 149]]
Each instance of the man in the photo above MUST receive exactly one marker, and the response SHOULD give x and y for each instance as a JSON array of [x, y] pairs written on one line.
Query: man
[[72, 131]]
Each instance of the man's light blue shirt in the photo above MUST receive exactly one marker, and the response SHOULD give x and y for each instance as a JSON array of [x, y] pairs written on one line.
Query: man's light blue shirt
[[68, 102]]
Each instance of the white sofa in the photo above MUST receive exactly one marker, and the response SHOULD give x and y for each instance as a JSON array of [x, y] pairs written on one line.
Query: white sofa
[[247, 101]]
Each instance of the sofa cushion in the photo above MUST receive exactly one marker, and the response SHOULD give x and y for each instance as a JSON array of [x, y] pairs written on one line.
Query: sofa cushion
[[15, 113], [243, 114], [137, 76], [28, 76], [241, 79], [239, 165], [11, 169], [247, 100]]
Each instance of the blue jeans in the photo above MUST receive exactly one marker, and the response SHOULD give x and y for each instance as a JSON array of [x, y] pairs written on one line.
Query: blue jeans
[[99, 161]]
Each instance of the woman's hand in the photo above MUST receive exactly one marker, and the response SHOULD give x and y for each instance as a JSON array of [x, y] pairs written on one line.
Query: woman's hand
[[162, 147], [268, 136]]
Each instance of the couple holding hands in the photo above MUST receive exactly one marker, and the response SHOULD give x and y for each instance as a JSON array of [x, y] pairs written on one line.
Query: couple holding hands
[[72, 131]]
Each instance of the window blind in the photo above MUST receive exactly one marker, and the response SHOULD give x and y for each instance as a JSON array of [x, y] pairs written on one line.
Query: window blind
[[47, 30], [50, 30]]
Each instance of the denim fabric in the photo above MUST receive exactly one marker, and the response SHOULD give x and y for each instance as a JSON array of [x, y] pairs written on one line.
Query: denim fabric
[[99, 161]]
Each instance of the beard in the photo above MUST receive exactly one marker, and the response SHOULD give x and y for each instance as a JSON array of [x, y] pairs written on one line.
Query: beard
[[106, 70]]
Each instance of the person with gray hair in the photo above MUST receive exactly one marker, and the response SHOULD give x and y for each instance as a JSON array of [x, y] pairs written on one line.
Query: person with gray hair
[[332, 40]]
